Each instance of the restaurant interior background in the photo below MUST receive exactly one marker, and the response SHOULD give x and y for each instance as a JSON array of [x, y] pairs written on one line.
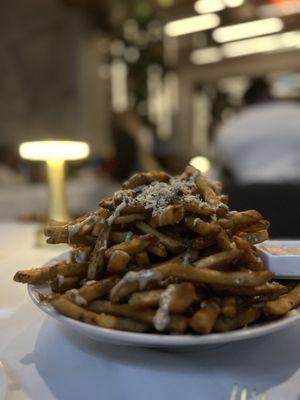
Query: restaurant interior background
[[147, 84]]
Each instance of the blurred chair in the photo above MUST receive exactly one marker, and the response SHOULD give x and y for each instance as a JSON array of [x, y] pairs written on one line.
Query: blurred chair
[[278, 203]]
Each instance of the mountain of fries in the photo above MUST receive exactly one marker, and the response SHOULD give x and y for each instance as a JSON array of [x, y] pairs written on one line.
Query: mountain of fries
[[164, 255]]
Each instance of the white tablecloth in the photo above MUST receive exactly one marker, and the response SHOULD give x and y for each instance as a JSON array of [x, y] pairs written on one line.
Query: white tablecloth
[[46, 361]]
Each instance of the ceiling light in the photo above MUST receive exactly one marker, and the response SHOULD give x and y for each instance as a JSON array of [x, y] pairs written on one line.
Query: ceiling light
[[234, 3], [192, 24], [247, 29], [262, 45], [208, 6], [206, 56]]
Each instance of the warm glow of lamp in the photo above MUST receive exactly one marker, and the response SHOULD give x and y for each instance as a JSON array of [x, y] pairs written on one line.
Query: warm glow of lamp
[[55, 153], [201, 163]]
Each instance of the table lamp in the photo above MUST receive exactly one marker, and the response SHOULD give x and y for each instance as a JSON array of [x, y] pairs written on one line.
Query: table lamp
[[55, 153]]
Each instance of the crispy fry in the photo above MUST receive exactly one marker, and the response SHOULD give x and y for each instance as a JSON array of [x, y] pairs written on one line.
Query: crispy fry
[[119, 237], [252, 228], [264, 289], [247, 254], [131, 283], [147, 299], [159, 250], [173, 245], [223, 240], [176, 324], [240, 218], [133, 246], [204, 319], [118, 261], [142, 259], [229, 307], [33, 276], [129, 218], [284, 304], [96, 290], [256, 237], [69, 309], [197, 207], [244, 317], [42, 275], [219, 259], [61, 283], [169, 216], [143, 178], [201, 227]]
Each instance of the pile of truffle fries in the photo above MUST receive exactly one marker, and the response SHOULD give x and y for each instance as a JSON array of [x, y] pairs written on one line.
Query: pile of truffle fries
[[164, 255]]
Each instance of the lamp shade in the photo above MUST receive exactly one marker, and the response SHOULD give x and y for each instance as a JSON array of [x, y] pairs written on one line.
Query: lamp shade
[[47, 150]]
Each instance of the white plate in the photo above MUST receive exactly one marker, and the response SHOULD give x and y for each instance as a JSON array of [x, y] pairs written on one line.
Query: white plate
[[161, 341]]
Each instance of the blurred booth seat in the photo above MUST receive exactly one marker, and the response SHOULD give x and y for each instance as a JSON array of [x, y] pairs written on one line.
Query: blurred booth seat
[[83, 195], [278, 203]]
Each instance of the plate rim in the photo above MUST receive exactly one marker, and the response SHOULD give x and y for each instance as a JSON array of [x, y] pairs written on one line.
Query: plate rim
[[158, 340]]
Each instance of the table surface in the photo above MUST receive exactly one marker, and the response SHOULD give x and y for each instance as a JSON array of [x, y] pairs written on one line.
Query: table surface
[[46, 361]]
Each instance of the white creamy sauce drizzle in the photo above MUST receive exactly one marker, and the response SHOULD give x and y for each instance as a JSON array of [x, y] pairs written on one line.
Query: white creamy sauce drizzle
[[89, 283], [74, 229], [116, 213], [162, 316], [186, 259], [197, 221], [128, 236], [142, 277], [75, 296], [81, 255], [60, 280]]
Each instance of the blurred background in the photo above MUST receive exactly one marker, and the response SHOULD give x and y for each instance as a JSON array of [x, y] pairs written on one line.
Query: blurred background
[[152, 84]]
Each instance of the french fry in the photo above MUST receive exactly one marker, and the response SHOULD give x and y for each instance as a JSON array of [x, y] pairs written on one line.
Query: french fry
[[147, 299], [256, 237], [42, 275], [197, 207], [201, 227], [133, 246], [200, 243], [176, 324], [229, 307], [143, 178], [252, 228], [142, 259], [96, 289], [69, 309], [224, 241], [159, 250], [219, 259], [284, 303], [173, 245], [61, 283], [119, 237], [247, 255], [33, 276], [118, 261], [186, 273], [273, 288], [204, 319], [244, 317], [169, 216], [236, 219], [129, 218]]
